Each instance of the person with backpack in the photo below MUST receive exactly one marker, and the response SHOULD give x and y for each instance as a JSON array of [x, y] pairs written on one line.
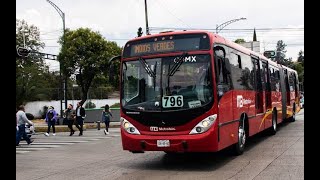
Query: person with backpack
[[51, 118], [106, 116]]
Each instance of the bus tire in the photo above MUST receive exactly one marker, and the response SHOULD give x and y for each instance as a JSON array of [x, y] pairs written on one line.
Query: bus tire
[[293, 117], [273, 128], [239, 146]]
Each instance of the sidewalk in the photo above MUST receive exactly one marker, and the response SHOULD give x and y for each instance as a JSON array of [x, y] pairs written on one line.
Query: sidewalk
[[41, 126]]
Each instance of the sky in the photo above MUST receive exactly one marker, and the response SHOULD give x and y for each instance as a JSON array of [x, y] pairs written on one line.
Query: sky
[[118, 20]]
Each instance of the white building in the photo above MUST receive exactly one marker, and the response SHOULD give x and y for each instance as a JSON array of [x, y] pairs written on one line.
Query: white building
[[253, 45]]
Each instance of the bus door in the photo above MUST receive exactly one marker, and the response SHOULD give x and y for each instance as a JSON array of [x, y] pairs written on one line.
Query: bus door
[[286, 78], [296, 86], [284, 85], [266, 80], [258, 88]]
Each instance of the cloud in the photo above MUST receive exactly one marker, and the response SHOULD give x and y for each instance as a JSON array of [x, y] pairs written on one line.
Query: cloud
[[119, 19]]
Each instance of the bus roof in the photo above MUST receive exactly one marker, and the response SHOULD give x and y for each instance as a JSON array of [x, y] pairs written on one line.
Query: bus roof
[[215, 39], [168, 33]]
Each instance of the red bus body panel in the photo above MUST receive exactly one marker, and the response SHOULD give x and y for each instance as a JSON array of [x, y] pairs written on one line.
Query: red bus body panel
[[224, 131]]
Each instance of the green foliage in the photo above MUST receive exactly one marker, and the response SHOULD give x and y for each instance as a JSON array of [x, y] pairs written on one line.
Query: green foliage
[[32, 76], [32, 35], [86, 53], [299, 66], [90, 104], [116, 105], [239, 41], [281, 52], [301, 57]]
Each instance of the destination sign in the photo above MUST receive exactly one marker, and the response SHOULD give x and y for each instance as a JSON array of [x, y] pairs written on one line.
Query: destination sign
[[166, 44]]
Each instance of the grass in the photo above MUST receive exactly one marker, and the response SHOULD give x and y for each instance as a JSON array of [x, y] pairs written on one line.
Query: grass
[[116, 105]]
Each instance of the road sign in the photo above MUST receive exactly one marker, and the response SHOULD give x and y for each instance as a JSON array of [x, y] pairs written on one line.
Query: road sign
[[270, 54], [23, 52]]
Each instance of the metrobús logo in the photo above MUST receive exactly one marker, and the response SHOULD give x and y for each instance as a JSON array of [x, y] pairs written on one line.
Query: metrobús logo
[[154, 128]]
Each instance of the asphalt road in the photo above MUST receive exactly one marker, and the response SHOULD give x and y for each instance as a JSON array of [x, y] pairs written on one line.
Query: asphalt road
[[96, 156]]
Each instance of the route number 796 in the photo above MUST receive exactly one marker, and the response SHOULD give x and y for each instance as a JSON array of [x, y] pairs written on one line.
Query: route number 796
[[172, 101]]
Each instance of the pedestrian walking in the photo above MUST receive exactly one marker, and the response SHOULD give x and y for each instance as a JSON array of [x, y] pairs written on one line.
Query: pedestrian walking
[[106, 116], [22, 119], [70, 115], [80, 115], [51, 119]]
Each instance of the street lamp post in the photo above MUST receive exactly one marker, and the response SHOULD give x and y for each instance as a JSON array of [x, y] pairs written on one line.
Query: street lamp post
[[64, 78], [146, 15], [223, 25], [73, 86]]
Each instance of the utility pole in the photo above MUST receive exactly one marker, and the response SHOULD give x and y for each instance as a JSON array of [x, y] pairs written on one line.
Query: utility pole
[[146, 14], [24, 39], [63, 78]]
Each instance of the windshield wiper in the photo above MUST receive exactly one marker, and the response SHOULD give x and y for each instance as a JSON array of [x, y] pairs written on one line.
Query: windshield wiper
[[155, 72], [173, 70], [176, 66], [146, 67]]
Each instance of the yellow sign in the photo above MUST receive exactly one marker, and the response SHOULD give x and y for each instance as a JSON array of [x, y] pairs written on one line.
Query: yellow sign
[[154, 47]]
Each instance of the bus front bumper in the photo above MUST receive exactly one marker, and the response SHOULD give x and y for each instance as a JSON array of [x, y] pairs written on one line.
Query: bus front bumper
[[205, 142]]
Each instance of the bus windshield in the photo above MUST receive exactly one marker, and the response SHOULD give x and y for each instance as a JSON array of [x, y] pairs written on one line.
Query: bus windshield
[[190, 86]]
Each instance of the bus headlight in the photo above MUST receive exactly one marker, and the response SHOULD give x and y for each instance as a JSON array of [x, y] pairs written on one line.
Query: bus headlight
[[204, 125], [128, 126]]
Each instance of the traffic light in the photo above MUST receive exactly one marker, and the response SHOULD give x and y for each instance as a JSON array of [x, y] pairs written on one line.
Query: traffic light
[[23, 52]]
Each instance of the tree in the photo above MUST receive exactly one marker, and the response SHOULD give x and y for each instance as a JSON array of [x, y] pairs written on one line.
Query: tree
[[299, 66], [86, 54], [301, 57], [139, 32], [288, 62], [32, 36], [239, 41], [31, 71], [300, 70], [281, 51]]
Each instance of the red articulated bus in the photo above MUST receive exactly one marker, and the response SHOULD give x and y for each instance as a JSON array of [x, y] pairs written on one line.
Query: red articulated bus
[[195, 91]]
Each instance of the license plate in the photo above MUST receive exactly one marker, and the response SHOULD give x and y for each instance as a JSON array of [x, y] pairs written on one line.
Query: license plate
[[163, 143]]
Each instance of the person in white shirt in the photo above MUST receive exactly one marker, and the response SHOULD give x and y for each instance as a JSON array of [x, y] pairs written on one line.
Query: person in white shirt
[[21, 122], [80, 114]]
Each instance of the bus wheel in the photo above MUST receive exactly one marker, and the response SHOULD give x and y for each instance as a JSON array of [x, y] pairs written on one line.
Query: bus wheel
[[273, 128], [293, 117], [239, 146]]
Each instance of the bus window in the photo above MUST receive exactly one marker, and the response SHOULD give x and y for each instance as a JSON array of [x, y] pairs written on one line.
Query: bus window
[[222, 72], [247, 75], [234, 62]]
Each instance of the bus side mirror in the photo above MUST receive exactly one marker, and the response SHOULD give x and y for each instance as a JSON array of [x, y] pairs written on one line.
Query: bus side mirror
[[112, 67], [111, 73], [114, 58]]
